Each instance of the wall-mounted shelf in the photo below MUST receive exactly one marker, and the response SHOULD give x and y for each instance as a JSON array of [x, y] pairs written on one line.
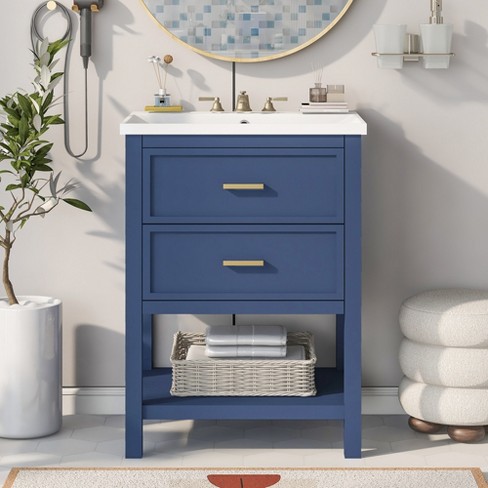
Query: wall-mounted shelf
[[413, 56], [435, 40]]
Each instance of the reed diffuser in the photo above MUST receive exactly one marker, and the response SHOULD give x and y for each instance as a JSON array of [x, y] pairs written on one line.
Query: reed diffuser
[[318, 94], [162, 98]]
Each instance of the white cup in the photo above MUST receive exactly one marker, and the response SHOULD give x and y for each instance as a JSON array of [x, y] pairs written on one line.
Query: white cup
[[436, 38], [390, 39]]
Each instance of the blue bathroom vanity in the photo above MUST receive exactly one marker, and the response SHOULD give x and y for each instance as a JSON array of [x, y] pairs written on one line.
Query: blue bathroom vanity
[[283, 190]]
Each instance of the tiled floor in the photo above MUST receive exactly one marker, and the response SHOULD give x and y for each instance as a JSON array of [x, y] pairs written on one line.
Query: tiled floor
[[99, 441]]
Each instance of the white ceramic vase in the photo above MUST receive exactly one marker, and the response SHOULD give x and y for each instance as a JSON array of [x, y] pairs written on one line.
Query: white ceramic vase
[[390, 40], [30, 367], [436, 39]]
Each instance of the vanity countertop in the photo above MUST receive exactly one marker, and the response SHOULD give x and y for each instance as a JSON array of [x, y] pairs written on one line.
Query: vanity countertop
[[242, 123]]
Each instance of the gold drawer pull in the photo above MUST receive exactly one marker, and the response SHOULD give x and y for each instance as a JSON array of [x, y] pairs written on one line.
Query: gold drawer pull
[[249, 263], [243, 186]]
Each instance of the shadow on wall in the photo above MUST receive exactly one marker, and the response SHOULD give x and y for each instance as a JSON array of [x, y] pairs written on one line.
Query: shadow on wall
[[108, 202], [109, 193], [99, 352], [423, 228]]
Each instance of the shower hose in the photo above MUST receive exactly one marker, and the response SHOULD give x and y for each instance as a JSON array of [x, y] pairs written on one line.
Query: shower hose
[[36, 36]]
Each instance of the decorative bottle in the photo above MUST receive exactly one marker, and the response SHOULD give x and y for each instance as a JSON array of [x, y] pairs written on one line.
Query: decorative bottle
[[318, 94]]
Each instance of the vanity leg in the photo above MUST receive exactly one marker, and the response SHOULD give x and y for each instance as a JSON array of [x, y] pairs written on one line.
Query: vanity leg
[[352, 388], [133, 435], [133, 388], [352, 415], [352, 298], [134, 422], [352, 418], [133, 307]]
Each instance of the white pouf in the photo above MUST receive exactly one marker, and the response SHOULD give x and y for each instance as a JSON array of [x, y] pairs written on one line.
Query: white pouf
[[450, 317], [460, 367], [444, 405], [444, 358]]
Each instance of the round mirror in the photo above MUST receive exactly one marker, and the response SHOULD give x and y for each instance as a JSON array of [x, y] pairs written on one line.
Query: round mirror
[[247, 31]]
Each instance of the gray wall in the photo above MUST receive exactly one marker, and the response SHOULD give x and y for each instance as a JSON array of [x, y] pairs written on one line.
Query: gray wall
[[425, 183]]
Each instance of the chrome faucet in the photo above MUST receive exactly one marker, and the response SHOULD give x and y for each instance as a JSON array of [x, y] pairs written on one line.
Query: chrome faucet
[[242, 104]]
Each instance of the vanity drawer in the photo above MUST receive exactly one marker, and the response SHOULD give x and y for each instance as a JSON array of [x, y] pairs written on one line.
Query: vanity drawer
[[243, 262], [253, 185]]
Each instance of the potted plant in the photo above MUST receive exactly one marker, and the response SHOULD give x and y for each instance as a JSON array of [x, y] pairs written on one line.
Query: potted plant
[[30, 327]]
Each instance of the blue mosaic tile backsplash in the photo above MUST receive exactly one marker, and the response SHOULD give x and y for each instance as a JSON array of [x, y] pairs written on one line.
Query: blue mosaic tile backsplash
[[245, 28]]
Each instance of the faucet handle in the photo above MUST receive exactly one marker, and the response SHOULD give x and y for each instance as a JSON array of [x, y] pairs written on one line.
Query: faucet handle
[[268, 106], [216, 107]]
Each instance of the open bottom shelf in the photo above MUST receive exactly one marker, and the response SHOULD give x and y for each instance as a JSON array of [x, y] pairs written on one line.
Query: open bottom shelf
[[327, 404]]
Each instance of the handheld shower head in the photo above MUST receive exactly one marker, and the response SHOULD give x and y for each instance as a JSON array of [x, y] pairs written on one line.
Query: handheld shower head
[[85, 9]]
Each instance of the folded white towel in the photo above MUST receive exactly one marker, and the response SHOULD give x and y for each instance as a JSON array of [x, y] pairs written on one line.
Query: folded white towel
[[293, 353], [252, 335], [245, 351]]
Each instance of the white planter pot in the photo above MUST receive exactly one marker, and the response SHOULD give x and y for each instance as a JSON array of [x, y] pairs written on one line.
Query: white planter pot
[[30, 367]]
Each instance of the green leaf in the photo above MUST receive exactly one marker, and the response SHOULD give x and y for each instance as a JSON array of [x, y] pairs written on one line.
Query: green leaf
[[41, 161], [12, 187], [24, 180], [53, 120], [25, 104], [11, 123], [77, 203], [56, 46], [23, 128], [47, 102], [43, 167], [16, 165], [12, 113], [42, 151], [56, 75], [7, 148]]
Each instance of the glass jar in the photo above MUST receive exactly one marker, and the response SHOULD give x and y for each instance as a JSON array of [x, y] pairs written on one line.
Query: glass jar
[[318, 93]]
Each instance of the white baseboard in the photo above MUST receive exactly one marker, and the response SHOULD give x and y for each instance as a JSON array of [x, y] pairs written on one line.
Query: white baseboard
[[94, 401], [111, 401], [381, 400]]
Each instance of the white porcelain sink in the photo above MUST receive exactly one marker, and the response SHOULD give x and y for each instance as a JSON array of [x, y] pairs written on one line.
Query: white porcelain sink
[[235, 123]]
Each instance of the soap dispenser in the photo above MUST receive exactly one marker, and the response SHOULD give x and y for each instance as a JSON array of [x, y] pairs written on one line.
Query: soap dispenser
[[436, 38]]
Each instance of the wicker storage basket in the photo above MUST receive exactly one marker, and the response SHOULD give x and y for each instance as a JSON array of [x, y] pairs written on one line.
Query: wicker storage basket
[[242, 377]]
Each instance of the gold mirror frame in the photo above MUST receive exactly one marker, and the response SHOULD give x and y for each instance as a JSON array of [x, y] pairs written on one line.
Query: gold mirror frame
[[280, 54]]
